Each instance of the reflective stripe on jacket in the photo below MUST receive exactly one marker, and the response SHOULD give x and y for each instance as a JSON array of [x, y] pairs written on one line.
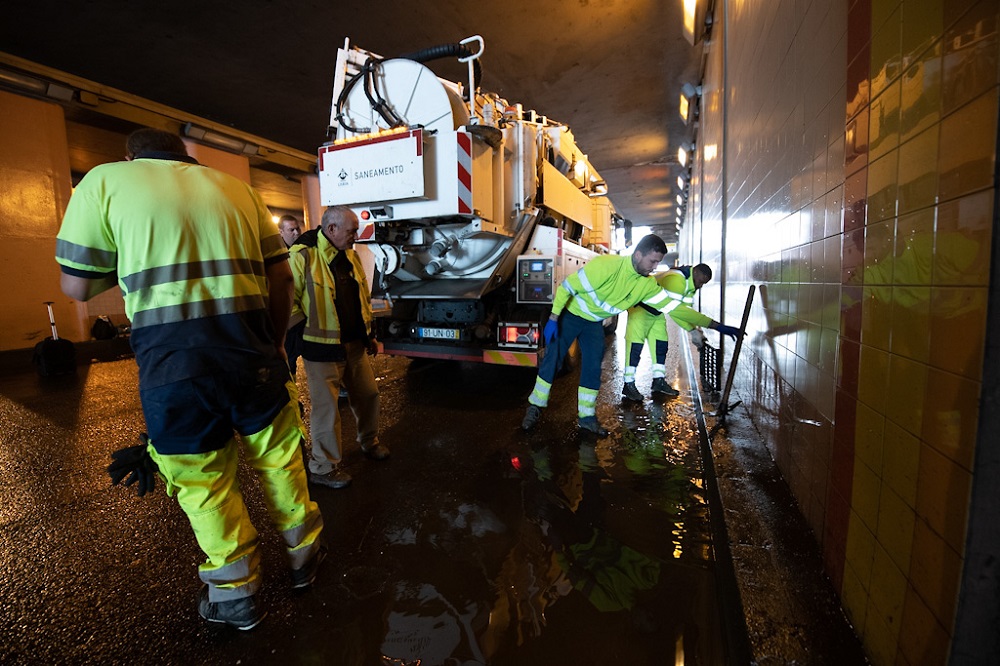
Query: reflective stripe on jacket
[[608, 285], [315, 290]]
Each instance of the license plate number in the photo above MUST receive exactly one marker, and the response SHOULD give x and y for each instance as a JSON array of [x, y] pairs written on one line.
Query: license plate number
[[439, 333]]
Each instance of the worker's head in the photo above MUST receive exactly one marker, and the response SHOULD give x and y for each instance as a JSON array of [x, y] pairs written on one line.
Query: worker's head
[[290, 229], [149, 140], [701, 274], [648, 254], [340, 226]]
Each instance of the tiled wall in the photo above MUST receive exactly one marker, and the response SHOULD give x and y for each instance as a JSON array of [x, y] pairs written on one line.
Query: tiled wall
[[860, 155]]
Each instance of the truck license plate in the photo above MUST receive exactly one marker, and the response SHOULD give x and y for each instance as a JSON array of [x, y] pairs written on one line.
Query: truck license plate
[[439, 333]]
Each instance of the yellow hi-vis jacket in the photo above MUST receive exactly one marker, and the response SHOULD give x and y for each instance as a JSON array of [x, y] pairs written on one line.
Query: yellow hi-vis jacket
[[315, 289], [681, 287], [608, 285]]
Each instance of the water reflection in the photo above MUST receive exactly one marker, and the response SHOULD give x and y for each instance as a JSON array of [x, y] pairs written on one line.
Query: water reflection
[[570, 554]]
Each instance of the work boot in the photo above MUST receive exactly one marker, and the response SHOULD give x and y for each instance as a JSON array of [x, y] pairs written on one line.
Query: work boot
[[531, 416], [591, 424], [376, 451], [244, 614], [661, 387], [335, 478], [306, 574], [631, 392]]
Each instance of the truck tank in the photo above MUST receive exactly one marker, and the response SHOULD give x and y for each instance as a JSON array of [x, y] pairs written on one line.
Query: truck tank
[[474, 208]]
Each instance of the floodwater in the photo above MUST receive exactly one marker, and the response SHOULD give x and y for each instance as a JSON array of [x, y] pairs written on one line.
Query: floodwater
[[475, 543]]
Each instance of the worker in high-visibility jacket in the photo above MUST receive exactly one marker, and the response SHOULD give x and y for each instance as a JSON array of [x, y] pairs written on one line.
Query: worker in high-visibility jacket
[[333, 298], [208, 291], [646, 325], [606, 286]]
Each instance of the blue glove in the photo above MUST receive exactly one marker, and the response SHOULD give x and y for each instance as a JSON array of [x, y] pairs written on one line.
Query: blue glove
[[551, 331], [731, 331]]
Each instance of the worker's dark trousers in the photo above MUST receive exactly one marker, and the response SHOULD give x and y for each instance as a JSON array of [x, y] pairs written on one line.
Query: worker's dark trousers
[[591, 337]]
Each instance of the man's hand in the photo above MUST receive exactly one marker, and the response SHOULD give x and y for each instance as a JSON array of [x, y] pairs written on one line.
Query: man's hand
[[134, 463], [372, 348], [551, 331], [697, 337], [731, 331]]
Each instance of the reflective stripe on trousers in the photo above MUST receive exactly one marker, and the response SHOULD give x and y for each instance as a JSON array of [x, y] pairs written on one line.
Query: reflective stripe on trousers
[[208, 491]]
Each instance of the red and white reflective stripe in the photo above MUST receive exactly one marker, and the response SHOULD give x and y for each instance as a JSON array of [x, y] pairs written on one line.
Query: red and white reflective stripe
[[464, 172], [367, 232]]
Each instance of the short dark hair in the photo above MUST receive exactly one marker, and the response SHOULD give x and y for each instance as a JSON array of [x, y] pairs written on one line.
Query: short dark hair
[[287, 218], [149, 140], [705, 270], [651, 243]]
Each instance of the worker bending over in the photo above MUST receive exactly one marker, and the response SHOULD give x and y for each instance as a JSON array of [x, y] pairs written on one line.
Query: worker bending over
[[606, 286], [645, 324]]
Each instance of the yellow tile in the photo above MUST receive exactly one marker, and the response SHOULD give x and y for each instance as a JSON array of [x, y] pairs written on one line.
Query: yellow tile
[[958, 330], [920, 96], [968, 144], [855, 599], [880, 639], [876, 316], [943, 496], [951, 416], [888, 590], [865, 490], [895, 529], [914, 249], [868, 426], [901, 457], [873, 377], [962, 243], [910, 320], [905, 399], [935, 573], [922, 639], [918, 161], [923, 23], [885, 51], [883, 122], [882, 187]]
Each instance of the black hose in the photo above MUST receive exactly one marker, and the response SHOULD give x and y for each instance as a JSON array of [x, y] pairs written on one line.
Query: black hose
[[449, 51]]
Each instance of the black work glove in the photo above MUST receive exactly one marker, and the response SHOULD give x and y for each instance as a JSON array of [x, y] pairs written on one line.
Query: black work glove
[[134, 463], [731, 331]]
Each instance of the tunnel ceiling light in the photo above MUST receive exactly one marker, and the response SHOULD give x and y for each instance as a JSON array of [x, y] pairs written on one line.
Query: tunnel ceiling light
[[680, 182], [688, 104], [220, 140], [35, 85], [680, 200], [684, 154]]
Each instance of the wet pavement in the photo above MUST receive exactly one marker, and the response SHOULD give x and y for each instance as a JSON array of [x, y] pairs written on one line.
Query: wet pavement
[[474, 543]]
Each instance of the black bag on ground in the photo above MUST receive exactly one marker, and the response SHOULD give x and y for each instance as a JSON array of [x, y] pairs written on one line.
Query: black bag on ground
[[54, 355]]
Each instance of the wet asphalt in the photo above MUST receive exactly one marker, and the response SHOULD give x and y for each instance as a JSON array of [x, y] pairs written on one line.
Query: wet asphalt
[[475, 543]]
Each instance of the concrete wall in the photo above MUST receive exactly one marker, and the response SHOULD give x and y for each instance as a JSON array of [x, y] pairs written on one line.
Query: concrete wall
[[859, 152]]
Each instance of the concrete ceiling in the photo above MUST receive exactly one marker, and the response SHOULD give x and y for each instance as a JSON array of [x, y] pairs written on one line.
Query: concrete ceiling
[[610, 69]]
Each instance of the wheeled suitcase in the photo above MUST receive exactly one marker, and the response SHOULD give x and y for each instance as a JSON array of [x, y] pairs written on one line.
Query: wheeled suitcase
[[54, 355]]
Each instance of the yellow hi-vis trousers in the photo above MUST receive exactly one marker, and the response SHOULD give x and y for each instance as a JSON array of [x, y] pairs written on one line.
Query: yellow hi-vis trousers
[[208, 491]]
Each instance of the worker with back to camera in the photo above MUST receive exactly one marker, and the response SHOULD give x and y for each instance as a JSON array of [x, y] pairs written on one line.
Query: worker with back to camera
[[208, 290], [606, 286], [646, 324]]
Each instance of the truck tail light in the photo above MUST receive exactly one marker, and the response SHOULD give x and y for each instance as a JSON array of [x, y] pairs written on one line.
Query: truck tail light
[[518, 334]]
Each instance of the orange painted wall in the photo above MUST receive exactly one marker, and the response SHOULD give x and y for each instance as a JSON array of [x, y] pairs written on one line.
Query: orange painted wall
[[34, 189]]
